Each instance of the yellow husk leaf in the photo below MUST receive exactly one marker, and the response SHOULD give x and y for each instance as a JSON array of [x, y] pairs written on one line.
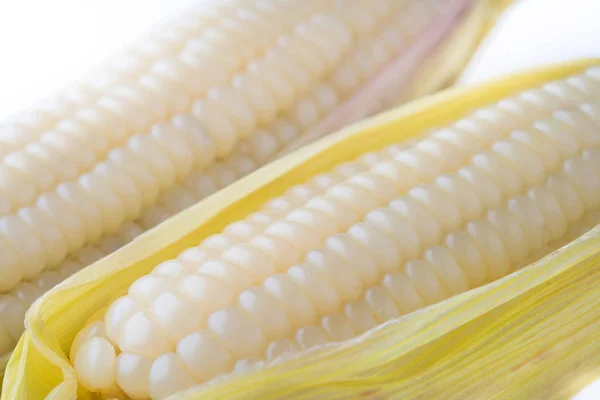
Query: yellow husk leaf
[[446, 64], [514, 338]]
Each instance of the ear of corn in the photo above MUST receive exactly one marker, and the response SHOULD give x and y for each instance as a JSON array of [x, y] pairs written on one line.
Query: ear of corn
[[360, 228], [172, 120]]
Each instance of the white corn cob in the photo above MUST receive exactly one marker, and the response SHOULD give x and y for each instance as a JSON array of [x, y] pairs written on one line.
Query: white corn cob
[[376, 238], [180, 120]]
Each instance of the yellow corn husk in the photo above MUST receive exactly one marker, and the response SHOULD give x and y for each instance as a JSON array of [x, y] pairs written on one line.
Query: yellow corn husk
[[443, 68], [531, 334], [33, 194]]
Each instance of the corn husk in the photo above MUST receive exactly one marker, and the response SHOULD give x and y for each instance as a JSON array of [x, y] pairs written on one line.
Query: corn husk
[[444, 67]]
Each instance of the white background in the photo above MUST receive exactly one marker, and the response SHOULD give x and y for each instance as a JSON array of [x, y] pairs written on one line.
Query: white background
[[536, 32], [46, 43]]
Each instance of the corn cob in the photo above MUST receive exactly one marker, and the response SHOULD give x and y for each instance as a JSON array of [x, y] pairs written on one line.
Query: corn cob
[[75, 171], [390, 233]]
